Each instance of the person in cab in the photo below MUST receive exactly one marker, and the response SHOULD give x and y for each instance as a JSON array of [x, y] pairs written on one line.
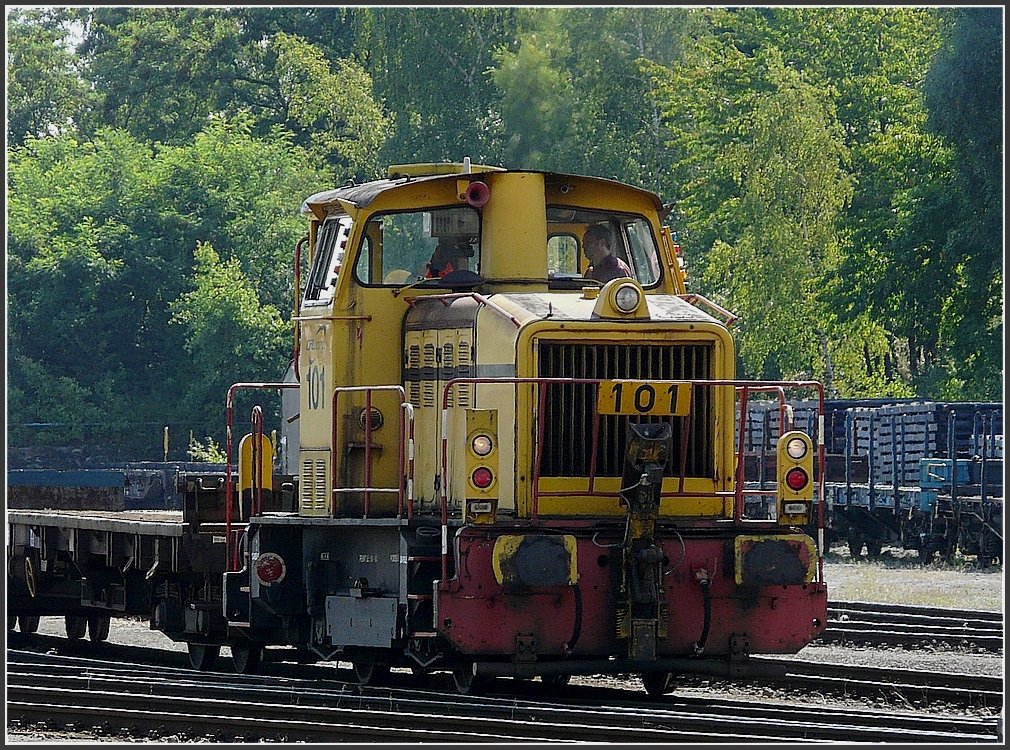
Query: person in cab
[[604, 264], [449, 256]]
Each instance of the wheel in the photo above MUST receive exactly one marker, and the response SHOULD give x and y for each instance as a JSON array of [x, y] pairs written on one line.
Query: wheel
[[31, 577], [657, 683], [247, 658], [98, 627], [28, 623], [555, 680], [370, 672], [202, 656], [467, 683], [855, 542], [76, 626]]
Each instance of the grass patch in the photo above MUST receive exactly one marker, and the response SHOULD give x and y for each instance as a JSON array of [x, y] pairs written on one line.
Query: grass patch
[[898, 578]]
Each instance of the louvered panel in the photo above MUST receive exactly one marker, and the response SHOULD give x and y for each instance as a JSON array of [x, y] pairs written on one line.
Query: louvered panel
[[428, 374], [570, 407], [414, 367], [464, 369], [313, 491]]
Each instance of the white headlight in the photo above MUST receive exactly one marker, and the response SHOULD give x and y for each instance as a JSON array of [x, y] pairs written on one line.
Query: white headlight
[[481, 445], [627, 298], [796, 448]]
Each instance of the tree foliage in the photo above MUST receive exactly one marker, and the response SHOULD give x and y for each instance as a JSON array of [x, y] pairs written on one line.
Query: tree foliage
[[45, 93]]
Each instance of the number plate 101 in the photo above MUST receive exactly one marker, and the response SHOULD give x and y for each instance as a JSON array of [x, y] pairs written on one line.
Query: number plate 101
[[658, 399]]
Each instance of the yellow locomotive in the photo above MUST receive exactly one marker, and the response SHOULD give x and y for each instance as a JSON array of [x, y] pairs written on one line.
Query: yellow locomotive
[[509, 463]]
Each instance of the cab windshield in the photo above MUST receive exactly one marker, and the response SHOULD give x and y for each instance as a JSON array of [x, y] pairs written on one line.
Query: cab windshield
[[628, 238]]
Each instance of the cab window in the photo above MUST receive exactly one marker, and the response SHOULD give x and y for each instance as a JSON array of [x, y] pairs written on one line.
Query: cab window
[[631, 240], [328, 254], [397, 247]]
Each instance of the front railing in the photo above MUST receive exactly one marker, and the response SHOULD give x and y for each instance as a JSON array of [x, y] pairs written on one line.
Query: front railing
[[405, 456], [742, 390]]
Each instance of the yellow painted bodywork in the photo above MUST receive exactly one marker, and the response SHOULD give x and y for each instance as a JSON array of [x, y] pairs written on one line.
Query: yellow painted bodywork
[[255, 468]]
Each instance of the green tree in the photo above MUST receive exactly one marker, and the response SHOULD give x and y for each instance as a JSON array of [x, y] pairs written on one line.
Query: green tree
[[101, 243], [230, 334], [430, 68], [790, 189], [964, 94], [164, 73], [160, 73], [45, 93], [333, 110], [539, 103]]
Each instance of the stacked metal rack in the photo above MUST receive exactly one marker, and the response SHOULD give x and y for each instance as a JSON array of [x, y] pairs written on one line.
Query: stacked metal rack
[[927, 476]]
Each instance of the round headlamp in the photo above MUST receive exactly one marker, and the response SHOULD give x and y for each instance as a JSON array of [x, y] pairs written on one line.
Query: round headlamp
[[627, 298], [796, 448], [481, 445]]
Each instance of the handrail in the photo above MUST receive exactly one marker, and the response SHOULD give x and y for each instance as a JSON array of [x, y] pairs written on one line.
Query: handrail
[[231, 545], [693, 297], [743, 387], [405, 465]]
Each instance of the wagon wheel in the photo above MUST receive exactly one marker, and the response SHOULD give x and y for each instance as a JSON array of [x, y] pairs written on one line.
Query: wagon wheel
[[370, 672], [28, 623], [466, 681], [855, 542], [98, 627], [657, 683], [76, 626], [247, 658], [202, 656]]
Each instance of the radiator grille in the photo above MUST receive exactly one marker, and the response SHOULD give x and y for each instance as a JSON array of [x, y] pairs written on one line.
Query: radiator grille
[[570, 407]]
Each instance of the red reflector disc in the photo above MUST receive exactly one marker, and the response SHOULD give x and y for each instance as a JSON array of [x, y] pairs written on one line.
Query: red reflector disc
[[796, 479], [270, 568], [482, 478]]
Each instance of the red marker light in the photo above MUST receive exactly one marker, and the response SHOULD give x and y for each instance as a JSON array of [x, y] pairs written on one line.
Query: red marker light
[[270, 568], [796, 479], [482, 478]]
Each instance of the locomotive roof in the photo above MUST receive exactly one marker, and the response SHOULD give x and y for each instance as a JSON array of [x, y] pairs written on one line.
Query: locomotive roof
[[361, 195]]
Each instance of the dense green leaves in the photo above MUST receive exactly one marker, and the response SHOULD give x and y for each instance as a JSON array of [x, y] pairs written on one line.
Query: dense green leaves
[[836, 174], [45, 94], [103, 239]]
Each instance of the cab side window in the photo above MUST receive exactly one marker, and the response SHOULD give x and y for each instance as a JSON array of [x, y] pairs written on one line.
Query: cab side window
[[331, 241], [562, 255], [398, 247]]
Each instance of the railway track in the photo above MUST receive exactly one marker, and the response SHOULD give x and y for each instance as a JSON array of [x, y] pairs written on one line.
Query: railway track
[[163, 701], [905, 625]]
